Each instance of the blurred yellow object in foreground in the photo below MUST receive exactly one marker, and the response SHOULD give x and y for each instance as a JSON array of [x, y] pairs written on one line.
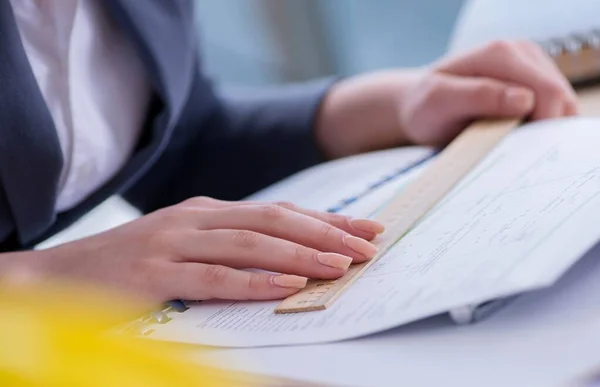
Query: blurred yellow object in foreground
[[60, 337]]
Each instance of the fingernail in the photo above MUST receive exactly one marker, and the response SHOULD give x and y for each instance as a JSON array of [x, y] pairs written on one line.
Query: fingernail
[[367, 225], [519, 98], [334, 260], [572, 109], [289, 281], [556, 109], [361, 246]]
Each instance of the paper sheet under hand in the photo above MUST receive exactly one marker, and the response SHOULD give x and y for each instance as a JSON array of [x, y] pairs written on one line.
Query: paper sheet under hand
[[517, 222]]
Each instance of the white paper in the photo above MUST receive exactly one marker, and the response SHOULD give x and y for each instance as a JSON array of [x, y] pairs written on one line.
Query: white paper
[[324, 186], [516, 223], [545, 338]]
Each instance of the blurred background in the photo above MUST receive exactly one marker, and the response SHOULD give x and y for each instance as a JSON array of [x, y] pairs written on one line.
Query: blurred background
[[265, 42], [260, 42]]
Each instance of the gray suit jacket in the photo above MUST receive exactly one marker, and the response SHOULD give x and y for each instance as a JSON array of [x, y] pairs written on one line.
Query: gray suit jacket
[[196, 141]]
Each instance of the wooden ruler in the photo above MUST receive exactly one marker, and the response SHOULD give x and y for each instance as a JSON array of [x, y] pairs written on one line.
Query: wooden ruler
[[577, 56], [411, 205]]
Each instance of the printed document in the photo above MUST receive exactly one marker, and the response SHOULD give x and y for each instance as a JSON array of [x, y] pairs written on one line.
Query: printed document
[[516, 223]]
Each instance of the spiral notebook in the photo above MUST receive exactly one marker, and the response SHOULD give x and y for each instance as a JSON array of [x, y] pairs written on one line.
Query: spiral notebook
[[577, 55]]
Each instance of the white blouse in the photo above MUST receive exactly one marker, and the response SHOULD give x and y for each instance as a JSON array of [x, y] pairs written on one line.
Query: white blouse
[[93, 83]]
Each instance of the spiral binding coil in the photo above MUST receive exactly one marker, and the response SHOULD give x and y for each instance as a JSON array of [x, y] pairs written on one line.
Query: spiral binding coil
[[576, 55]]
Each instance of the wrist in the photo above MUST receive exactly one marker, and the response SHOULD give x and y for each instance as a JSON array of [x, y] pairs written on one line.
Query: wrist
[[361, 114]]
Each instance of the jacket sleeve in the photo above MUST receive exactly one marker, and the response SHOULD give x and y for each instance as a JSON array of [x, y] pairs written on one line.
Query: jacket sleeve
[[244, 141]]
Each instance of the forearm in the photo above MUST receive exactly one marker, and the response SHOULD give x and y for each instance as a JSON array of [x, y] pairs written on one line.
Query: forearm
[[362, 113], [19, 267]]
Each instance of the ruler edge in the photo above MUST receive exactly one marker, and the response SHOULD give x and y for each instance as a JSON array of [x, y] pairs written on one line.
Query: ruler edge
[[362, 267], [509, 123]]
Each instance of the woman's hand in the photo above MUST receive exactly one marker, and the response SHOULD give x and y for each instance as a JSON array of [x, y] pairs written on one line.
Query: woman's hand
[[431, 105], [197, 250]]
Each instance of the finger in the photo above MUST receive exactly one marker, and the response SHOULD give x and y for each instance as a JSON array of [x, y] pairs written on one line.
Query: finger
[[279, 222], [459, 100], [572, 107], [249, 249], [478, 97], [535, 52], [205, 202], [504, 61], [194, 281], [565, 101], [363, 228]]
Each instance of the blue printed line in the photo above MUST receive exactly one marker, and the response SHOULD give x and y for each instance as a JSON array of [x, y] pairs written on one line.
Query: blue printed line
[[344, 203]]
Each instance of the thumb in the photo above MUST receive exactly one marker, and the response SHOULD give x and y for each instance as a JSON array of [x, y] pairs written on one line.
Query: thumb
[[458, 100], [485, 97]]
